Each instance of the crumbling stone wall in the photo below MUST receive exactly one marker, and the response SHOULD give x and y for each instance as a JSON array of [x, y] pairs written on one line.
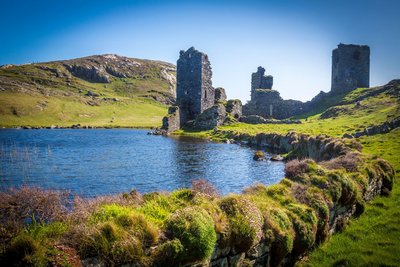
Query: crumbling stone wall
[[350, 67], [268, 103], [194, 91], [260, 81], [171, 122]]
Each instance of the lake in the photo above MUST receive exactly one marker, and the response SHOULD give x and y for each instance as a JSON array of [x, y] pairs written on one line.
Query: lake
[[107, 161]]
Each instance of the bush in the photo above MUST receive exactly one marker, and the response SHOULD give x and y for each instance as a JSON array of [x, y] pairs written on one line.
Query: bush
[[295, 168], [350, 162], [205, 187], [194, 228], [27, 205], [245, 222]]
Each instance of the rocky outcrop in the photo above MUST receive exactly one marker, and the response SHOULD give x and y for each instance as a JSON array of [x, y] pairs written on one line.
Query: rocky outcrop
[[210, 118], [89, 73], [376, 129]]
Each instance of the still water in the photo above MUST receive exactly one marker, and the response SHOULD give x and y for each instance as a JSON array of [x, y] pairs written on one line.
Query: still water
[[101, 162]]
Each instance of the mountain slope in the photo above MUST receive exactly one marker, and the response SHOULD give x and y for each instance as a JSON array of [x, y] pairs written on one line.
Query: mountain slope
[[103, 90]]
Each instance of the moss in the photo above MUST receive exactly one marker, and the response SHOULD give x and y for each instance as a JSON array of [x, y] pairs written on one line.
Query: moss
[[315, 199], [245, 221], [169, 253], [194, 228], [387, 174], [305, 225], [277, 221]]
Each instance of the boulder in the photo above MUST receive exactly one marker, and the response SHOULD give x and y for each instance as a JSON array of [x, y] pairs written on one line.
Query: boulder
[[348, 136], [210, 118], [253, 119], [259, 156]]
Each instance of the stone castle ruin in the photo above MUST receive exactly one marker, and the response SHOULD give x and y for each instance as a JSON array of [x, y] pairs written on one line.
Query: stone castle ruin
[[201, 106], [194, 91], [350, 70], [198, 104]]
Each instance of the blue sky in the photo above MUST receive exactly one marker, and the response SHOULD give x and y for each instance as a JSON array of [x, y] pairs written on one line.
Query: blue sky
[[292, 40]]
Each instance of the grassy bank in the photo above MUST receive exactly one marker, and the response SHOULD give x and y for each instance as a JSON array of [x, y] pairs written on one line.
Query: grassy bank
[[373, 239]]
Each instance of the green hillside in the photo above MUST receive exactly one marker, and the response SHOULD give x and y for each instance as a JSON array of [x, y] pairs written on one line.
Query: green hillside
[[106, 90]]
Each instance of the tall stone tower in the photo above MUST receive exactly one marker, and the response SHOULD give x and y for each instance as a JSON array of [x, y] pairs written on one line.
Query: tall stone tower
[[260, 81], [350, 67], [194, 91]]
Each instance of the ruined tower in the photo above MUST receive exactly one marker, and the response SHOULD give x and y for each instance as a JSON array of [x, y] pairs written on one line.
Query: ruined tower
[[260, 81], [350, 67], [194, 91]]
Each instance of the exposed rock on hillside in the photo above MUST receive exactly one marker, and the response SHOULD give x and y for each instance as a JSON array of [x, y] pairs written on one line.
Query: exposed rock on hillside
[[124, 76]]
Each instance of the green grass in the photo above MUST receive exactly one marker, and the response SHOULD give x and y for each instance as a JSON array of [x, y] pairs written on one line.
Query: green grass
[[21, 109]]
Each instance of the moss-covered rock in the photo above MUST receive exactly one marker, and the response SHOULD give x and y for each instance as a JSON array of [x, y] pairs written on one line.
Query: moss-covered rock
[[194, 228]]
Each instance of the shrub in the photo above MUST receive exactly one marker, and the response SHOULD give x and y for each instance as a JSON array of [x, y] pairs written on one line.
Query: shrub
[[245, 222], [205, 187], [27, 205], [126, 250], [194, 228], [350, 162], [295, 168]]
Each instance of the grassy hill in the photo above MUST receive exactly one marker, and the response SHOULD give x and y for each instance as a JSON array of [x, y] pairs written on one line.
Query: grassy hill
[[104, 90]]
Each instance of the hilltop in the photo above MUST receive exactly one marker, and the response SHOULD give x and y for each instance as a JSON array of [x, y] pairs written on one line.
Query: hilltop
[[100, 90]]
